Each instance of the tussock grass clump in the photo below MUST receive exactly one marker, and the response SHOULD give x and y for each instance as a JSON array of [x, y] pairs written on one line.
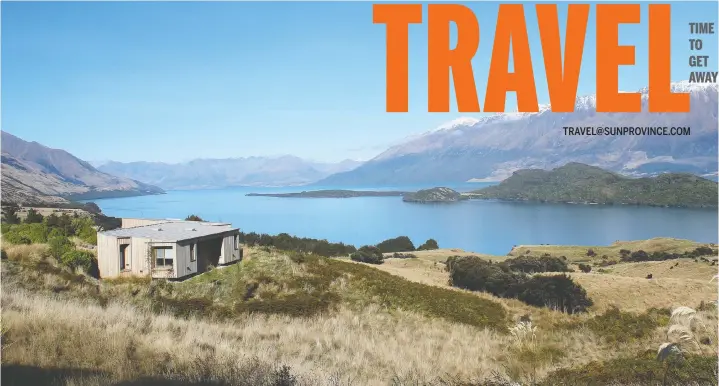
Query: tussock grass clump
[[616, 326], [644, 369]]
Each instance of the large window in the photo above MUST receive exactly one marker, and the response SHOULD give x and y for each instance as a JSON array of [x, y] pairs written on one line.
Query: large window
[[237, 241], [193, 252], [163, 257]]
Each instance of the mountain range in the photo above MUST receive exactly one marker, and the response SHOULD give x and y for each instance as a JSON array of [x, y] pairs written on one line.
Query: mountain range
[[33, 173], [492, 147], [489, 148], [219, 173]]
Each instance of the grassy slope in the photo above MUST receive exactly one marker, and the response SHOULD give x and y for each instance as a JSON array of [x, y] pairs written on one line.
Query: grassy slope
[[581, 183], [353, 322]]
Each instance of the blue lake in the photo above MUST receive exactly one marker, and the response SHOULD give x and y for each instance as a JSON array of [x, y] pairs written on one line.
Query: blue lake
[[482, 226]]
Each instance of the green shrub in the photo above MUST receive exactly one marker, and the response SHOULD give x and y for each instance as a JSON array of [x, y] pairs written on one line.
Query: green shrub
[[58, 246], [83, 227], [398, 255], [397, 244], [586, 268], [10, 214], [75, 259], [661, 256], [428, 245], [557, 292], [33, 217], [530, 264], [286, 242], [26, 233], [368, 254]]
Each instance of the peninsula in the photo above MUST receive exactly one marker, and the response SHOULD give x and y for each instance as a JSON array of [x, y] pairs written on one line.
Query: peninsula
[[332, 194]]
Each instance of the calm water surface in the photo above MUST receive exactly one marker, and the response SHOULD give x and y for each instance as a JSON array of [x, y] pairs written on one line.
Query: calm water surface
[[483, 226]]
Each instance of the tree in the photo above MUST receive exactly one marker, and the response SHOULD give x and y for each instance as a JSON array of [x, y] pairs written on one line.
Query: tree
[[398, 244], [193, 217], [10, 216], [428, 245], [33, 217]]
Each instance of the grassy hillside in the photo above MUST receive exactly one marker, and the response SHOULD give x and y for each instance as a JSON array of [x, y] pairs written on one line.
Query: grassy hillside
[[579, 183], [285, 318]]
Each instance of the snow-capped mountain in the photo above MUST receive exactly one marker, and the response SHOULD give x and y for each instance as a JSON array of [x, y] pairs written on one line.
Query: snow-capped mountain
[[491, 147]]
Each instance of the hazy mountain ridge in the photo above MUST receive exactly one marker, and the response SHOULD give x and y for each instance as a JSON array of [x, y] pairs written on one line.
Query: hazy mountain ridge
[[580, 183], [32, 172], [219, 173], [492, 147]]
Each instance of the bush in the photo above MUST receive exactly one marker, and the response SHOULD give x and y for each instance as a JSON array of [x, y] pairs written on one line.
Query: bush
[[586, 268], [397, 244], [193, 217], [397, 255], [530, 264], [661, 256], [75, 259], [286, 242], [557, 292], [428, 245], [58, 246], [368, 254], [33, 217], [591, 253]]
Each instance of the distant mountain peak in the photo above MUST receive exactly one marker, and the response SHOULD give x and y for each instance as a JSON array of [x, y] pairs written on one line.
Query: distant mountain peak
[[490, 146]]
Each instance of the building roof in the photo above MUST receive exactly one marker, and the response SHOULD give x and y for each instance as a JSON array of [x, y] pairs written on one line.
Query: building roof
[[172, 230]]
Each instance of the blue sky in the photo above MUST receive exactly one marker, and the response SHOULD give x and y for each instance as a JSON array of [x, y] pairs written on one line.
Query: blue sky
[[173, 81]]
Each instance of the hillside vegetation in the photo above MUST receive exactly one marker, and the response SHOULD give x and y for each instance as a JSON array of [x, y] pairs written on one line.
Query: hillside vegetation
[[579, 183], [433, 195], [295, 318]]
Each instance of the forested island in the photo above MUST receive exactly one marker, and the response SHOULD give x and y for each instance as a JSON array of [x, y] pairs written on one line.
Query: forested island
[[577, 183], [434, 195]]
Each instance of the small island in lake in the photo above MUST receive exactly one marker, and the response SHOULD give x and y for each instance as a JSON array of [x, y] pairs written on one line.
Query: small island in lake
[[576, 183], [434, 195], [332, 194]]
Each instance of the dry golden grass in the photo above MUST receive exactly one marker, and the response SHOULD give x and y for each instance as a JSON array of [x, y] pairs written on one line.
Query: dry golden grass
[[639, 294], [579, 253], [628, 288], [24, 252], [369, 345], [676, 269]]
